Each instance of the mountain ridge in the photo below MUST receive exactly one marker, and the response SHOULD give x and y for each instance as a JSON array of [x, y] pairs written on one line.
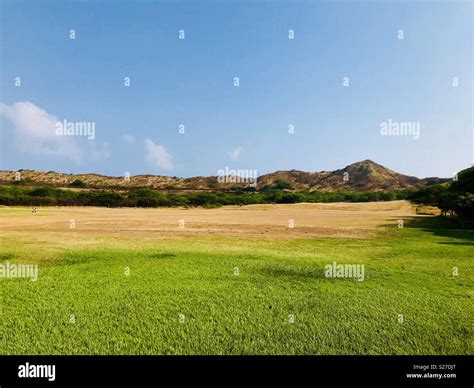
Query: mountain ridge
[[364, 176]]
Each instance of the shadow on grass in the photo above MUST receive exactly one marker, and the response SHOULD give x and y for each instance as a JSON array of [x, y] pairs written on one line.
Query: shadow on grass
[[442, 227], [87, 256], [457, 243], [161, 255], [292, 272], [7, 256]]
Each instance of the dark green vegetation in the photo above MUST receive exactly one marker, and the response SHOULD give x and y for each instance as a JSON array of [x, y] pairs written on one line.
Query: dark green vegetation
[[457, 198], [51, 196], [78, 183], [182, 295]]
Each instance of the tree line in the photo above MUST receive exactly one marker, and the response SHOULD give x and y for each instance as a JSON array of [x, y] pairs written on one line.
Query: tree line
[[454, 199], [145, 197]]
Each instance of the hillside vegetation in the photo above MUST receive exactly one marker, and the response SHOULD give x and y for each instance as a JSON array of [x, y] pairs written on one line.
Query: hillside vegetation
[[364, 176]]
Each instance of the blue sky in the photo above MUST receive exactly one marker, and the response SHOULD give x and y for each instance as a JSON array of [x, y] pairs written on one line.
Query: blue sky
[[282, 82]]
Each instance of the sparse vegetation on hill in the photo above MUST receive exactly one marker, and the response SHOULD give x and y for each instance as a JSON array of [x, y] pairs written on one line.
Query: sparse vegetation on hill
[[360, 176], [364, 176]]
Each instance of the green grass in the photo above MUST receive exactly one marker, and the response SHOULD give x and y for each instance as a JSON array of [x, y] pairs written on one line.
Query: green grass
[[407, 272]]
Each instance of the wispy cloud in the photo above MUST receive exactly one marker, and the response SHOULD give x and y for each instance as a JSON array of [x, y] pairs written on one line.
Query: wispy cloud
[[130, 139], [235, 153], [157, 156]]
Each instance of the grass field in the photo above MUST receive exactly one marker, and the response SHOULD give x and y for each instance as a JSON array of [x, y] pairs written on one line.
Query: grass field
[[236, 281]]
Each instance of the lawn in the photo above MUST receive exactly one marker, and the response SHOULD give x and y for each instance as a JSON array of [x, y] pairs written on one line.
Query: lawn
[[239, 295]]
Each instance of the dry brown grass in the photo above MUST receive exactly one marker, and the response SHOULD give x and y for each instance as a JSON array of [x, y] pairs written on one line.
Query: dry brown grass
[[355, 220], [428, 210]]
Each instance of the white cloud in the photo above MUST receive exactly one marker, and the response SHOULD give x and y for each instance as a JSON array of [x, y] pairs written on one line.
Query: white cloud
[[157, 156], [34, 131], [130, 139], [235, 153]]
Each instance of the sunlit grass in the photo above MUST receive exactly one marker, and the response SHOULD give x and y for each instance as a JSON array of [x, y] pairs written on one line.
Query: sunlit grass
[[84, 303]]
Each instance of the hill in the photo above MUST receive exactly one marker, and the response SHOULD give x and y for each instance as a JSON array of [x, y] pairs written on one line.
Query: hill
[[364, 176]]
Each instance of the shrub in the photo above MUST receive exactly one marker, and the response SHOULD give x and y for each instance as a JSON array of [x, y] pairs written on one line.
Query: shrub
[[282, 185], [78, 183]]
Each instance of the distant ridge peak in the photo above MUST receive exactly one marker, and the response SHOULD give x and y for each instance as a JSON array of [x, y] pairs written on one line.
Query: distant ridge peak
[[366, 161]]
